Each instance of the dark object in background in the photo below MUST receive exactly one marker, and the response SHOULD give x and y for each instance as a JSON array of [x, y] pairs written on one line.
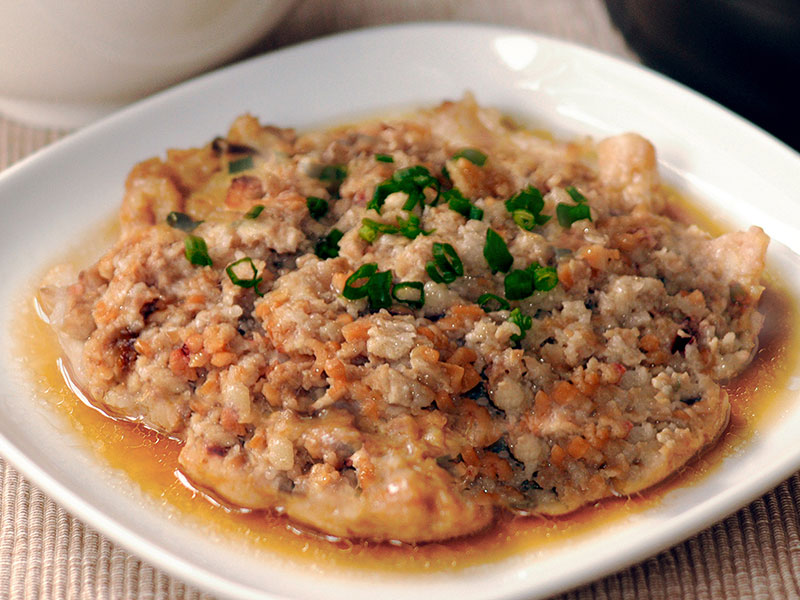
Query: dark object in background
[[745, 54]]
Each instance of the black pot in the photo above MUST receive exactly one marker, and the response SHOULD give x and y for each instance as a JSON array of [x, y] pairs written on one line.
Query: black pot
[[743, 53]]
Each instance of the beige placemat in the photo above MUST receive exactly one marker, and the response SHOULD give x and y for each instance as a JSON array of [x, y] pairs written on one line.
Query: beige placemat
[[46, 553]]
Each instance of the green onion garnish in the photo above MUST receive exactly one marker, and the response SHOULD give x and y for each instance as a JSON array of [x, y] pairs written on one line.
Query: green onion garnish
[[254, 212], [240, 164], [412, 181], [181, 221], [576, 196], [414, 301], [486, 302], [196, 251], [385, 158], [544, 278], [567, 214], [253, 282], [526, 208], [317, 207], [410, 227], [334, 173], [521, 283], [457, 202], [372, 284], [523, 321], [328, 247], [496, 253], [446, 266], [365, 272], [379, 290], [473, 155], [370, 230]]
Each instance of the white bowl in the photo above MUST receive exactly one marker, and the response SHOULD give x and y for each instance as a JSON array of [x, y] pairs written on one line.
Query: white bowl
[[67, 62]]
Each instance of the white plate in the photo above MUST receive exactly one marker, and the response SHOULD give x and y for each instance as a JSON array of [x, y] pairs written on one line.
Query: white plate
[[48, 200]]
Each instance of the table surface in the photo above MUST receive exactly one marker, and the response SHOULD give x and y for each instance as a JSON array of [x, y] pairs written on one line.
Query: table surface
[[46, 553]]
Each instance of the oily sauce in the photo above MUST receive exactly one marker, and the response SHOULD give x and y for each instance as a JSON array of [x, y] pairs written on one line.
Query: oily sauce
[[150, 460]]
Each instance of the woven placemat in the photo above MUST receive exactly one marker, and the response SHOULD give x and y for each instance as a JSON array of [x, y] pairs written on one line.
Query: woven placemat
[[47, 553]]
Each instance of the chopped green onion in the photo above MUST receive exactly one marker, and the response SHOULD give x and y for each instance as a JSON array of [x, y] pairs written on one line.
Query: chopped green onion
[[196, 251], [473, 155], [181, 221], [523, 321], [254, 212], [239, 165], [378, 290], [417, 301], [521, 283], [567, 214], [545, 278], [385, 158], [317, 207], [526, 207], [410, 227], [352, 291], [485, 300], [253, 282], [576, 196], [372, 284], [524, 218], [370, 229], [457, 202], [412, 181], [446, 174], [328, 247], [446, 266], [334, 173], [496, 253]]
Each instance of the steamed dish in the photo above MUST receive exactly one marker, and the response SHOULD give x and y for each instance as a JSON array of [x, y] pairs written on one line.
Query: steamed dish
[[395, 329]]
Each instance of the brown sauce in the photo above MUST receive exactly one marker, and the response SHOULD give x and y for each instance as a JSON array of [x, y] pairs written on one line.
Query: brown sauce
[[150, 460]]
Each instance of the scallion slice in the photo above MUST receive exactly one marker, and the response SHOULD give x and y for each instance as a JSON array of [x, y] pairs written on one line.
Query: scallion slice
[[412, 181], [384, 158], [567, 214], [181, 221], [521, 283], [526, 207], [368, 282], [446, 266], [328, 247], [496, 253], [521, 320], [196, 251], [317, 207], [492, 302], [417, 298], [360, 276], [473, 155], [240, 164], [332, 173], [253, 282], [518, 284], [410, 227], [254, 212], [457, 202]]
